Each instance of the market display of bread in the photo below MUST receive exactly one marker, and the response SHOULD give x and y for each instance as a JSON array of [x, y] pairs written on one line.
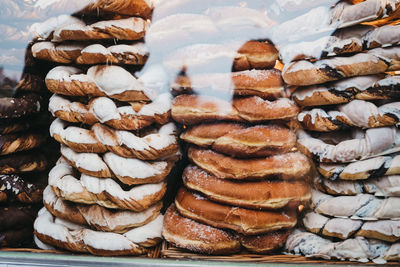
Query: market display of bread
[[125, 116], [257, 92]]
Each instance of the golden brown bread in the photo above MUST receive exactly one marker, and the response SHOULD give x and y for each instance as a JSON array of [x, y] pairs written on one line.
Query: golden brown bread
[[238, 140], [265, 243], [188, 234], [244, 221], [291, 166], [193, 109], [267, 84], [253, 195]]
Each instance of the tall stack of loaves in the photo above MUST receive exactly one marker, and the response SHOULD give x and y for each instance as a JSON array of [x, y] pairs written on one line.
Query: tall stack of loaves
[[24, 146], [118, 143], [348, 88], [245, 180]]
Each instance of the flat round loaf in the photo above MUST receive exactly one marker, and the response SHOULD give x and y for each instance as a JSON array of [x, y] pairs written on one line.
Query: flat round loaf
[[363, 169], [127, 117], [99, 80], [188, 234], [361, 206], [24, 188], [372, 87], [307, 73], [244, 221], [193, 109], [77, 238], [129, 171], [385, 186], [222, 57], [267, 84], [98, 217], [265, 243], [238, 140], [34, 160], [133, 28], [357, 113], [349, 146], [252, 195], [152, 144], [290, 166], [344, 228], [104, 192]]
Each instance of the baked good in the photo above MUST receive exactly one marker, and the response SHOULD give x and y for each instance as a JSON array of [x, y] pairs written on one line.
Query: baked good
[[344, 228], [98, 217], [23, 162], [16, 107], [391, 55], [239, 140], [126, 117], [384, 186], [152, 144], [290, 166], [98, 81], [253, 195], [129, 171], [349, 146], [363, 169], [331, 69], [31, 82], [134, 54], [104, 192], [370, 87], [133, 28], [357, 113], [73, 237], [244, 221], [12, 143], [24, 123], [265, 243], [193, 109], [22, 188], [354, 249], [362, 206], [222, 57], [267, 84], [188, 234]]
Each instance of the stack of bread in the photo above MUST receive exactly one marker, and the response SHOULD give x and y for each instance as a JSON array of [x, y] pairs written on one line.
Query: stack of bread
[[347, 87], [118, 143], [246, 179], [24, 140]]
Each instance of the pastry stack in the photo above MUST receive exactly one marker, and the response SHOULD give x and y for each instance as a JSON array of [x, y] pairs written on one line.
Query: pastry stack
[[246, 179], [25, 149], [347, 88], [118, 143]]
